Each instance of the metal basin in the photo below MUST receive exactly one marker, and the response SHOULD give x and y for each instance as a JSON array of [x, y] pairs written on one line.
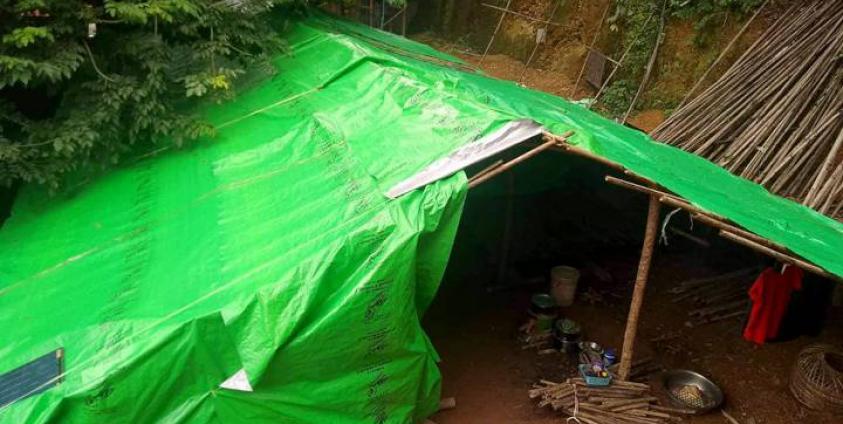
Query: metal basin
[[690, 390]]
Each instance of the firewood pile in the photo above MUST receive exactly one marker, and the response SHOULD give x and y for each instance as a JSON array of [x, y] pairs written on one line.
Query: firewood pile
[[622, 402], [716, 298], [776, 116]]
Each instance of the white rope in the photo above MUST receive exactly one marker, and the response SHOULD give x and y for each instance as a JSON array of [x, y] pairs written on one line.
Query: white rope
[[576, 407], [663, 237]]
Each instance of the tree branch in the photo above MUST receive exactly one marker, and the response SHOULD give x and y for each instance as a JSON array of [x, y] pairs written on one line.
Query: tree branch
[[94, 63]]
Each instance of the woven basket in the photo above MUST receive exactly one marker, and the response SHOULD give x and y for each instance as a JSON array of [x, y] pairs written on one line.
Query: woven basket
[[817, 378]]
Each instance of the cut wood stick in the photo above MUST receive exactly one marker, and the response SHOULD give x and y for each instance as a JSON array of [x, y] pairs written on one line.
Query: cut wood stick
[[697, 282], [672, 410], [690, 237], [487, 169], [624, 402], [447, 403], [729, 417]]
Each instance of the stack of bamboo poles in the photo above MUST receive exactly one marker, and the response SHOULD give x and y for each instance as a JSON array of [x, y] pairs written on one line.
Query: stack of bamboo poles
[[622, 402], [717, 298], [776, 116]]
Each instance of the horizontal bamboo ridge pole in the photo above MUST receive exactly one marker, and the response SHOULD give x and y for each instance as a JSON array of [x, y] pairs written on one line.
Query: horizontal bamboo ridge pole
[[720, 223], [781, 257], [561, 143]]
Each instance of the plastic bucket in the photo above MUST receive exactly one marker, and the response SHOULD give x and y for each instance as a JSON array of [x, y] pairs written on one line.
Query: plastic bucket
[[563, 284]]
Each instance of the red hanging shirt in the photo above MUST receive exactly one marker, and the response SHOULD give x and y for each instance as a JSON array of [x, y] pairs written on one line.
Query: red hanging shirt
[[770, 295]]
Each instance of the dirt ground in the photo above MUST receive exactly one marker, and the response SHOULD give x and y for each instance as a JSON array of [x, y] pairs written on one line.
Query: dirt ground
[[486, 370]]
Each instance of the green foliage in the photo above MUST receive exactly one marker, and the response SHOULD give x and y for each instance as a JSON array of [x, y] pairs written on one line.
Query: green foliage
[[693, 8], [86, 82], [637, 23], [617, 96], [710, 14]]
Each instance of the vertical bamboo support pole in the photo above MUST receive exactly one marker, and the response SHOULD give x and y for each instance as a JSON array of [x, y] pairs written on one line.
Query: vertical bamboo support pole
[[640, 285], [371, 13]]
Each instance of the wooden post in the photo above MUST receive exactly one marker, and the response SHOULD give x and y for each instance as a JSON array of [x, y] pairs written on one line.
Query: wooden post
[[650, 236]]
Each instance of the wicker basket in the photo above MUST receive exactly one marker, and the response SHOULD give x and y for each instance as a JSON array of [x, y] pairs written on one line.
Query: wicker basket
[[817, 378]]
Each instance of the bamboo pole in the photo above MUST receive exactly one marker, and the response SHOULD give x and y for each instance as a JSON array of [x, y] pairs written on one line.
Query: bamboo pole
[[722, 54], [650, 64], [620, 62], [631, 331], [781, 257], [750, 239], [536, 47], [721, 224], [494, 33], [549, 142], [521, 15], [486, 170], [591, 48]]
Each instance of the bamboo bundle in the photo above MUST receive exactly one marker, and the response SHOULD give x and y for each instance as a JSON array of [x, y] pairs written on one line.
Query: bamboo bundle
[[776, 116], [623, 402], [717, 298]]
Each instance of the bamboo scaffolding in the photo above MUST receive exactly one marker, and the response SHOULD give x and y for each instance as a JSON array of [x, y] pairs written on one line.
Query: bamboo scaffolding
[[618, 64], [551, 15], [650, 63], [591, 48], [495, 33], [506, 10]]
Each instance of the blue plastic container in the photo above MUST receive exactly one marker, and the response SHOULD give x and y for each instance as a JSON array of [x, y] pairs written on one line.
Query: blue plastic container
[[593, 380]]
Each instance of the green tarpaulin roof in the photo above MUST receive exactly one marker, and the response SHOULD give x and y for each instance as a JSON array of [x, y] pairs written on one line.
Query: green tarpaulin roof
[[273, 254]]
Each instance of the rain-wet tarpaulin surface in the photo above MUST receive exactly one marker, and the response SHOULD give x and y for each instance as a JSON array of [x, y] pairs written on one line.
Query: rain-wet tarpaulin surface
[[271, 261]]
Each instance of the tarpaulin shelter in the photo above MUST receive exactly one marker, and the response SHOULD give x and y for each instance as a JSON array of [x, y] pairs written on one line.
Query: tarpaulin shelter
[[278, 272]]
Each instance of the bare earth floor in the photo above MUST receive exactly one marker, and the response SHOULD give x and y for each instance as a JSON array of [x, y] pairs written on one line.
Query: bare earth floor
[[488, 373]]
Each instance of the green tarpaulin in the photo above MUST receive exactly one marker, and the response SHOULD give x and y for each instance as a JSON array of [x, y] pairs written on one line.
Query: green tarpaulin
[[270, 260]]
